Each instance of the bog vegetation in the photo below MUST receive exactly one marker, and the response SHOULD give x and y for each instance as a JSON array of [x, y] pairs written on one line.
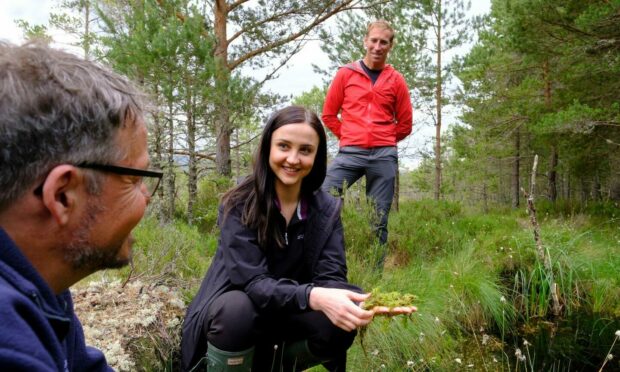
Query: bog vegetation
[[482, 293], [542, 78]]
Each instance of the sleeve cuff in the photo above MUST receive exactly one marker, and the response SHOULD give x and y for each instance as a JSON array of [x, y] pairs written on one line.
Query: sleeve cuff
[[304, 296]]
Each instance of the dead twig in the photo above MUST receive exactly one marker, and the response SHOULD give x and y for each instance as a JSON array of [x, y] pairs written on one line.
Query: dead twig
[[543, 255]]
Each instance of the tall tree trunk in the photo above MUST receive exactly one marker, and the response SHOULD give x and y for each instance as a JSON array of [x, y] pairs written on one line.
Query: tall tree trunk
[[455, 191], [238, 154], [222, 78], [568, 194], [157, 151], [192, 179], [560, 184], [553, 174], [596, 188], [157, 143], [614, 179], [170, 176], [438, 103], [516, 166], [500, 192], [584, 191]]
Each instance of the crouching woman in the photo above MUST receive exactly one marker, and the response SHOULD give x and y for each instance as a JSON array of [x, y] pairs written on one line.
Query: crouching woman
[[276, 295]]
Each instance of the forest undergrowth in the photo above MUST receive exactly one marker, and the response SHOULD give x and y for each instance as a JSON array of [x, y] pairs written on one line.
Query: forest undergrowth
[[483, 296]]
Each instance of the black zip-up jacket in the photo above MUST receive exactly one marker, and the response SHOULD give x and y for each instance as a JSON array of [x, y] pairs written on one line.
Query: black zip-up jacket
[[240, 264]]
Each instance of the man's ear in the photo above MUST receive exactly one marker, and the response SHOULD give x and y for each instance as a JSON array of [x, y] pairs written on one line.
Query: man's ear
[[63, 190]]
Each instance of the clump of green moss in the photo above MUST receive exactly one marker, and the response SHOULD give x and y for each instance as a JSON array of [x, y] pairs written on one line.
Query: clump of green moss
[[386, 299], [389, 299]]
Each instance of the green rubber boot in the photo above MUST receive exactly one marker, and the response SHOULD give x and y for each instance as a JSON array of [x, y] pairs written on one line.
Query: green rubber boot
[[298, 357], [222, 361]]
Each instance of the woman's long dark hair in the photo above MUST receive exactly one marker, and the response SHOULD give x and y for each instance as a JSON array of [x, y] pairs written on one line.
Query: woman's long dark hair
[[257, 192]]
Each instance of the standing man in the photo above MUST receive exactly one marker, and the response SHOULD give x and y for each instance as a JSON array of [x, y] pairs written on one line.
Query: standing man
[[375, 113], [73, 184]]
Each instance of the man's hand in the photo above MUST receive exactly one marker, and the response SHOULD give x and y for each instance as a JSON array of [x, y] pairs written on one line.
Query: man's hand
[[339, 305]]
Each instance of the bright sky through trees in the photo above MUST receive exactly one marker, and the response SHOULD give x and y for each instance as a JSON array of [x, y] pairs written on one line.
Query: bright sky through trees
[[294, 78]]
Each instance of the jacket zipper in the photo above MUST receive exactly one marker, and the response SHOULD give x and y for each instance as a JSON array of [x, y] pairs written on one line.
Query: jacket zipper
[[368, 134]]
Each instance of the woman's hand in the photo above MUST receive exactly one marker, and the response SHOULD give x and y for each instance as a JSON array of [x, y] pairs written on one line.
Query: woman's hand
[[339, 305], [390, 303], [389, 311]]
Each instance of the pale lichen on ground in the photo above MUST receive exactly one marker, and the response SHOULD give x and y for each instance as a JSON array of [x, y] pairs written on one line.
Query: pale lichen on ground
[[132, 324]]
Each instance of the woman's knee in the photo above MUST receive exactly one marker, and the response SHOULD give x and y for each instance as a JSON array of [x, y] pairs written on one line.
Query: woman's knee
[[231, 321]]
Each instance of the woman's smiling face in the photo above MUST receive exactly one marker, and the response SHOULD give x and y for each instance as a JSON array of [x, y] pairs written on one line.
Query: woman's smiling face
[[292, 153]]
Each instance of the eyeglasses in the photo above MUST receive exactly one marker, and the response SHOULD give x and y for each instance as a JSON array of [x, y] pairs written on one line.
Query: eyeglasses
[[150, 178]]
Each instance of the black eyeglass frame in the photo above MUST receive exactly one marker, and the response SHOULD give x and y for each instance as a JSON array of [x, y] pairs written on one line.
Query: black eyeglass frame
[[125, 171]]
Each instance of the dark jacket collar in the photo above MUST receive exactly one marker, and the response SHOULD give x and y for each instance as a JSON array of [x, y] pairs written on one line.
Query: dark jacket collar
[[16, 270], [357, 66]]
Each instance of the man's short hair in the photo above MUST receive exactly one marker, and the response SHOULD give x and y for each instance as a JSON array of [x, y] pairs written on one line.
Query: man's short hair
[[381, 24], [57, 108]]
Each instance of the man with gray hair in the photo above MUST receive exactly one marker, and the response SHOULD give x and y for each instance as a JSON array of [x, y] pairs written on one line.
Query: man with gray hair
[[74, 183]]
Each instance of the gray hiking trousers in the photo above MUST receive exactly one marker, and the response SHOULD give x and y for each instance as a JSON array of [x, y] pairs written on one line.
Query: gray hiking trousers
[[379, 165]]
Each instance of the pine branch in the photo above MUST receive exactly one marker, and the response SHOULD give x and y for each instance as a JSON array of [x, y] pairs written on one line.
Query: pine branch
[[234, 5], [322, 17]]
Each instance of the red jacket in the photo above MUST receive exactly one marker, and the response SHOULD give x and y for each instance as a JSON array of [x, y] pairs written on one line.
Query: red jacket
[[370, 115]]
